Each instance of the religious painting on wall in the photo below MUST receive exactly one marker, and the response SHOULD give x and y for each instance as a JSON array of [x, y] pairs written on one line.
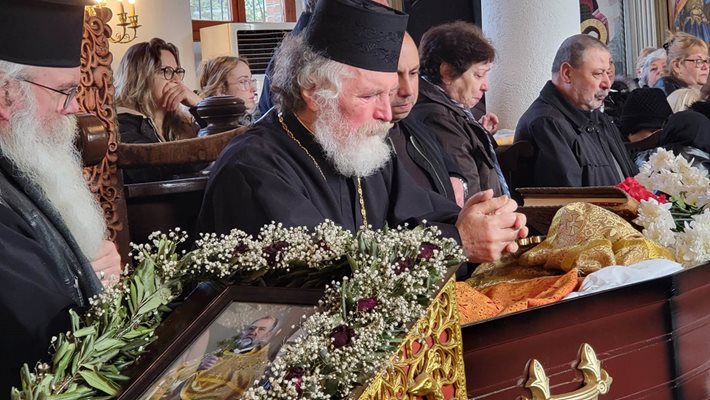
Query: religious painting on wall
[[604, 19], [225, 354], [690, 16]]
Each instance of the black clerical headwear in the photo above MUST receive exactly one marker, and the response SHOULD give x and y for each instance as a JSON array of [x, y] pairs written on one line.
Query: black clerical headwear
[[359, 33], [44, 33]]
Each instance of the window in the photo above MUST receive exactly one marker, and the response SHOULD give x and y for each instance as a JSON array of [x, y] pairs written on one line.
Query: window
[[212, 12]]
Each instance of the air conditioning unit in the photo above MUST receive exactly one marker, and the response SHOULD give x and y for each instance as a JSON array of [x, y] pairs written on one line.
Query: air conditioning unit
[[254, 41]]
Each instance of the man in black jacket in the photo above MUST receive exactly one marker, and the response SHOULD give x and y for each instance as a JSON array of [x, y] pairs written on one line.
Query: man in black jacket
[[50, 223], [575, 143], [418, 151]]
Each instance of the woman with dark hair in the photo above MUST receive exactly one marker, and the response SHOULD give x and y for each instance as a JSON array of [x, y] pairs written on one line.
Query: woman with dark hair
[[150, 97], [455, 60]]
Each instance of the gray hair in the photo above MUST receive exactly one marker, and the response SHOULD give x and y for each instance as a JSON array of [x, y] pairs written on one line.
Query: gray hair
[[309, 6], [659, 54], [11, 70], [298, 67], [572, 50]]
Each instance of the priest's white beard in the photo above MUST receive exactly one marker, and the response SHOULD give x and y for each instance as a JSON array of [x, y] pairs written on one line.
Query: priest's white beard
[[44, 153], [353, 151]]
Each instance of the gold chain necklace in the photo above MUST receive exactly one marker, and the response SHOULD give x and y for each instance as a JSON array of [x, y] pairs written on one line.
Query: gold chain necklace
[[290, 134]]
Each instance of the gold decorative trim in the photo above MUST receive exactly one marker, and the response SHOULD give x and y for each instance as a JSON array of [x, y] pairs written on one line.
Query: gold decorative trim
[[596, 380], [430, 358]]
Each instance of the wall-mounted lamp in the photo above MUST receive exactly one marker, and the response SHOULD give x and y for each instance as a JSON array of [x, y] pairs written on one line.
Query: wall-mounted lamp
[[126, 20]]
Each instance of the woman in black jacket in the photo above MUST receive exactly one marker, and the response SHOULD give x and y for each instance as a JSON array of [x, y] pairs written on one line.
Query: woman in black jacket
[[455, 61]]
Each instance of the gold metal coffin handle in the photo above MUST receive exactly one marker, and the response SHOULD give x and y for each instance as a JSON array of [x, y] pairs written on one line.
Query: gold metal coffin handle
[[596, 380]]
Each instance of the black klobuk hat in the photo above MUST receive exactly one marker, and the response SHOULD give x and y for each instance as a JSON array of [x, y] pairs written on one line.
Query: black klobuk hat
[[45, 33], [359, 33]]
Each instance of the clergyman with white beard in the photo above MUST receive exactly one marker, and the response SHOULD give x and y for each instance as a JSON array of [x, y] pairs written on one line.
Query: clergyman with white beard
[[53, 252], [322, 151]]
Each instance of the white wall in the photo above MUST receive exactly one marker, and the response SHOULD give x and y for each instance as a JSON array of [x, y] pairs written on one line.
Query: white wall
[[526, 35], [169, 20]]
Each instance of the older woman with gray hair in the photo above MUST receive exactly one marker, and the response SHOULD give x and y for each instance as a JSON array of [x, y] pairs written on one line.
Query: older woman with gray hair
[[652, 67]]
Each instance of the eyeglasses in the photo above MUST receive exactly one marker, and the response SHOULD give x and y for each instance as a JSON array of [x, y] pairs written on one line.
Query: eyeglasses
[[699, 62], [169, 72], [244, 84], [70, 93]]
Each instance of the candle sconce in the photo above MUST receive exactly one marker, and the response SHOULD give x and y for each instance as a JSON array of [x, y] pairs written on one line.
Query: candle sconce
[[126, 22]]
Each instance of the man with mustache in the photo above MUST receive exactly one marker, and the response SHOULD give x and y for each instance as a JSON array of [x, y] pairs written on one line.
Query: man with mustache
[[50, 222], [322, 152], [575, 143]]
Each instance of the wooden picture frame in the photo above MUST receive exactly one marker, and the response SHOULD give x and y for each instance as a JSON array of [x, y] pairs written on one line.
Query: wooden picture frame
[[219, 329]]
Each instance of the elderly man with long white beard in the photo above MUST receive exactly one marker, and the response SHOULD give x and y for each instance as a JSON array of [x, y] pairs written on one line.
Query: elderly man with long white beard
[[322, 152], [50, 223]]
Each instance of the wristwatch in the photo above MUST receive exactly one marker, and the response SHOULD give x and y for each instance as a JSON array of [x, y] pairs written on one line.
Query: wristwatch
[[464, 185]]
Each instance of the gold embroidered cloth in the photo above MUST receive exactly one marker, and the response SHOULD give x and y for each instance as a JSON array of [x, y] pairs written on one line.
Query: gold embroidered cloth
[[588, 237]]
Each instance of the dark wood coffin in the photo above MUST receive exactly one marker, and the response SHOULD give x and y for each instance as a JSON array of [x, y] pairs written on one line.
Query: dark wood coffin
[[652, 338]]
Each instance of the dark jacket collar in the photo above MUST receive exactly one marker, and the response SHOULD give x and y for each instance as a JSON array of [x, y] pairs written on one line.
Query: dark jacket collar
[[430, 92], [579, 118]]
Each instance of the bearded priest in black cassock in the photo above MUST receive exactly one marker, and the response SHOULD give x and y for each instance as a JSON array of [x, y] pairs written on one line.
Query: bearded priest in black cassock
[[321, 152]]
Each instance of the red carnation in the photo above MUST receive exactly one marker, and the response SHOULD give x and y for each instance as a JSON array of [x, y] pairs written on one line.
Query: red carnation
[[638, 191], [402, 265], [426, 250], [342, 336], [367, 304]]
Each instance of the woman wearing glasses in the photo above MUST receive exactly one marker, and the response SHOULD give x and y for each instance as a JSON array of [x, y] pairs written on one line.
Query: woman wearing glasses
[[687, 65], [230, 76], [149, 94], [150, 97]]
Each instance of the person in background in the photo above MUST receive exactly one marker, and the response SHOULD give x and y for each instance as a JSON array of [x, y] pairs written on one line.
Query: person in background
[[682, 99], [418, 151], [639, 60], [150, 97], [687, 63], [54, 255], [575, 143], [685, 133], [230, 76], [455, 61], [652, 67]]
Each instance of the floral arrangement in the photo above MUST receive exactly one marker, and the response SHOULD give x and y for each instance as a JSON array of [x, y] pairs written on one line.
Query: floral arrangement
[[681, 223], [393, 275]]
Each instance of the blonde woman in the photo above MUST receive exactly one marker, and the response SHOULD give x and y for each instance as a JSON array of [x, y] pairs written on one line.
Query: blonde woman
[[150, 92], [229, 76], [687, 63]]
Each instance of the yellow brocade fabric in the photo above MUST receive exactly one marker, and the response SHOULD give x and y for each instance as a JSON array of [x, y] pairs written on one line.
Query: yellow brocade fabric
[[233, 374], [588, 238]]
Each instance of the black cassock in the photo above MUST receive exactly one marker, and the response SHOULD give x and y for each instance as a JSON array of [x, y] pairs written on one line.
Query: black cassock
[[263, 175], [42, 275]]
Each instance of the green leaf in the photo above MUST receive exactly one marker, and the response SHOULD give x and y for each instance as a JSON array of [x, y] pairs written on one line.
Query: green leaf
[[99, 381], [89, 330], [108, 344]]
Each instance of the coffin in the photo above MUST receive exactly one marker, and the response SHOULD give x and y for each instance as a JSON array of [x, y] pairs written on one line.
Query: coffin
[[652, 339]]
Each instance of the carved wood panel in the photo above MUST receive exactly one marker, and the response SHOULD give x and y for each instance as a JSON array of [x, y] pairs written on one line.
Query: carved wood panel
[[96, 95]]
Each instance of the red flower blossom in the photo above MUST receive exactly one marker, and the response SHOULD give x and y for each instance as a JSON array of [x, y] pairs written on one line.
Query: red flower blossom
[[426, 250], [638, 191], [342, 336], [367, 304]]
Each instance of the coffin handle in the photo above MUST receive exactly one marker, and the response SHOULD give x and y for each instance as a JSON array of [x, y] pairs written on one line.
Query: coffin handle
[[596, 380]]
